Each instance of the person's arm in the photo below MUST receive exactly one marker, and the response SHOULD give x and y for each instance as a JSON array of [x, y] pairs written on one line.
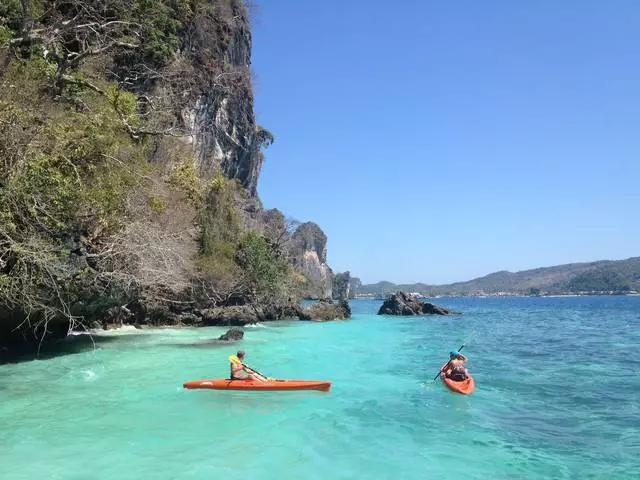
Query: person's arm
[[464, 359], [253, 374]]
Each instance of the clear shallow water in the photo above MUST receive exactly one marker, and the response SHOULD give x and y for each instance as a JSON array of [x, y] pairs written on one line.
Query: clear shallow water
[[119, 411]]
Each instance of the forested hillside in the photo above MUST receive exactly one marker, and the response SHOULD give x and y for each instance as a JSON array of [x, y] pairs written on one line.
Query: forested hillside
[[604, 276]]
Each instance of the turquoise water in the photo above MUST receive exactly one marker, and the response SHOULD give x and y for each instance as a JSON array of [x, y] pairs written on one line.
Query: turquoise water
[[546, 404]]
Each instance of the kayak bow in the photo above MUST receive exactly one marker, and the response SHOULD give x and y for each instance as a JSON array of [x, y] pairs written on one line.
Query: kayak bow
[[269, 385]]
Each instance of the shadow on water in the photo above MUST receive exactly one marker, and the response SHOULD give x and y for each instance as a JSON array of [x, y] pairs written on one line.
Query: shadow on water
[[202, 344], [73, 344]]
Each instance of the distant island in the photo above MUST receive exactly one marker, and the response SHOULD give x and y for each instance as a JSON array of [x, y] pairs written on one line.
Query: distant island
[[604, 277]]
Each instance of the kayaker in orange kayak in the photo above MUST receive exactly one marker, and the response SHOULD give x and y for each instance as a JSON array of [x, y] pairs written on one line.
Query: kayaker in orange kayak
[[239, 371], [455, 369]]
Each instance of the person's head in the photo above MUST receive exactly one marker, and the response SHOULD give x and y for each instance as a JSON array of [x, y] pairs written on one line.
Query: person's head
[[453, 355], [240, 354]]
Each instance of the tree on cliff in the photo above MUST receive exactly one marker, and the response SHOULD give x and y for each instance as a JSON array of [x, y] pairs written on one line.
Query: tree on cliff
[[267, 274]]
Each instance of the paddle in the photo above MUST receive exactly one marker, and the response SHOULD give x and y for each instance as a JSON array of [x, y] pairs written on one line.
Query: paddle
[[263, 377], [445, 367]]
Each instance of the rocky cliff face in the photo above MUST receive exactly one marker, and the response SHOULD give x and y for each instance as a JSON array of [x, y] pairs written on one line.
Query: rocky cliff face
[[309, 253], [220, 117], [140, 224]]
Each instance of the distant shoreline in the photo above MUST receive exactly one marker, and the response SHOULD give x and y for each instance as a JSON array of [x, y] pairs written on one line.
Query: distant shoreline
[[509, 294], [602, 277]]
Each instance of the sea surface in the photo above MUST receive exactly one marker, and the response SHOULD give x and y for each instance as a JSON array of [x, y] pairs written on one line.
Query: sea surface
[[558, 396]]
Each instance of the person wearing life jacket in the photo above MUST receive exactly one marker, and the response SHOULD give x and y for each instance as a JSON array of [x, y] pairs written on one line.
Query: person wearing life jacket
[[239, 371], [455, 370]]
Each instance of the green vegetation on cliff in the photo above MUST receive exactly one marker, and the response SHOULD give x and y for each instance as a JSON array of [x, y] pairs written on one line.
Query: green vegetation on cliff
[[65, 179], [104, 206]]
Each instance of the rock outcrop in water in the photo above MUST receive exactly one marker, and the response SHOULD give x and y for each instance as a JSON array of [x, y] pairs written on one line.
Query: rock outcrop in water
[[231, 335], [325, 310], [401, 303]]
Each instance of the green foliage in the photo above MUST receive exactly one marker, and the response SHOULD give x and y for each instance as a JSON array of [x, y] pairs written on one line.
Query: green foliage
[[161, 23], [125, 103], [65, 168], [219, 219], [264, 137], [244, 261], [264, 271], [185, 177], [220, 267], [10, 17], [63, 173], [5, 34], [220, 235], [156, 204]]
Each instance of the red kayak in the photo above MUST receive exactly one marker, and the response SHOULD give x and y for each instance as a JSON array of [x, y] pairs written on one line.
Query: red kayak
[[465, 387], [269, 385]]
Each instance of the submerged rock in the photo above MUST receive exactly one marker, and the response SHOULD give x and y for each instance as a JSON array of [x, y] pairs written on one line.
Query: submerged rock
[[231, 335], [401, 303]]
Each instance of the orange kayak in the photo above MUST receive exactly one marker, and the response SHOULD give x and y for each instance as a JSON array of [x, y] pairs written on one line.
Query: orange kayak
[[270, 385], [465, 387]]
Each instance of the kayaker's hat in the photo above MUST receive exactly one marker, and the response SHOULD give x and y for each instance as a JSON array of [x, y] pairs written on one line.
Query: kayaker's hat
[[453, 353], [240, 353]]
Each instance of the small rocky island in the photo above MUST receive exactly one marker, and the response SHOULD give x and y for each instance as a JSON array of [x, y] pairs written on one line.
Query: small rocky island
[[401, 303]]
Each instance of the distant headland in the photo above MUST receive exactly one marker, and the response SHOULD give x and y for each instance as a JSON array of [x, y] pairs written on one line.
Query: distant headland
[[604, 277]]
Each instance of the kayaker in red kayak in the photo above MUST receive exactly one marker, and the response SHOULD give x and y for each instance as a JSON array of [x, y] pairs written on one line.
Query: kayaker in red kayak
[[239, 371], [455, 369]]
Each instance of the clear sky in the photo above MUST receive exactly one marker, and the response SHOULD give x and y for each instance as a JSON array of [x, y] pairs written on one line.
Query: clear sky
[[439, 141]]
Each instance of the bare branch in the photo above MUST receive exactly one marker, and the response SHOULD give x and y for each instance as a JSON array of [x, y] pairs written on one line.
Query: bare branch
[[75, 58], [83, 83]]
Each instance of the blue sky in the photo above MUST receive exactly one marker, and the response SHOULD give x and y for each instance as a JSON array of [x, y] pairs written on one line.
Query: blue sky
[[439, 141]]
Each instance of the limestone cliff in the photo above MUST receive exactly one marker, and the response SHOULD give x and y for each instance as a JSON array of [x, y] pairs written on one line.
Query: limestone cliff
[[133, 135], [309, 253], [219, 118], [202, 94]]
